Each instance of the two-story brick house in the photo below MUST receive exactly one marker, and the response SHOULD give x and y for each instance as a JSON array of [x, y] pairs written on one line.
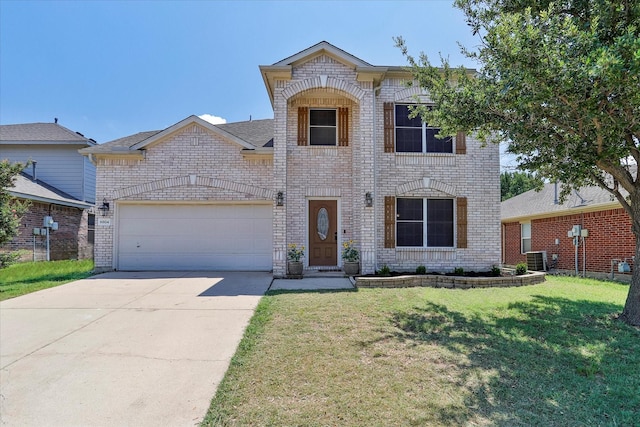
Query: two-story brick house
[[339, 161]]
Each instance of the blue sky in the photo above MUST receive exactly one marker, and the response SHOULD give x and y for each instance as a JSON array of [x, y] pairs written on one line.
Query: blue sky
[[109, 69]]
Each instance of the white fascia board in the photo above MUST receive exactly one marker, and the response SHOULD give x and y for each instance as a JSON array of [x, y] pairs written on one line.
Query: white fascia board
[[79, 205]]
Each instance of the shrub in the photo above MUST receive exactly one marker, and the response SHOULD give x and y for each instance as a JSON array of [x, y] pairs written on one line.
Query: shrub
[[495, 271], [458, 271], [421, 269], [385, 271], [521, 268]]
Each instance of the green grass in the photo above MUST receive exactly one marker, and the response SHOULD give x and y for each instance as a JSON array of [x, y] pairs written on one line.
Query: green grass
[[23, 278], [552, 354]]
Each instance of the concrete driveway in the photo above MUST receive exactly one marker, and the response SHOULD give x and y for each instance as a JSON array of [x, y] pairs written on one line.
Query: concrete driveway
[[122, 348]]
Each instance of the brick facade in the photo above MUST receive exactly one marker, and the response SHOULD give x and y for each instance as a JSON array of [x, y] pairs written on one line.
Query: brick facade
[[610, 237], [347, 173], [70, 241], [194, 164]]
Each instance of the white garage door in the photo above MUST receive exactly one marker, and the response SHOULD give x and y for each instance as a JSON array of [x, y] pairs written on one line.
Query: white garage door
[[194, 237]]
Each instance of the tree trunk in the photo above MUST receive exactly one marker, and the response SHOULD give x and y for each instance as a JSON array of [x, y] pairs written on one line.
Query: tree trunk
[[631, 311]]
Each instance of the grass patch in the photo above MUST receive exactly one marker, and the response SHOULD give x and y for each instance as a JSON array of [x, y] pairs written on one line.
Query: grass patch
[[23, 278], [551, 354]]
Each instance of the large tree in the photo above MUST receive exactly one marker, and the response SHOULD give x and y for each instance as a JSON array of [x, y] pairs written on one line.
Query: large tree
[[11, 209], [514, 183], [560, 82]]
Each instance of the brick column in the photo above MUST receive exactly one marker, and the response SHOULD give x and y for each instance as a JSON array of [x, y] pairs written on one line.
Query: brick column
[[366, 152], [280, 181]]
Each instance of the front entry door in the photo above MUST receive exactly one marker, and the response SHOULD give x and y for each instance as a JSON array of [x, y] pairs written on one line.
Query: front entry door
[[323, 232]]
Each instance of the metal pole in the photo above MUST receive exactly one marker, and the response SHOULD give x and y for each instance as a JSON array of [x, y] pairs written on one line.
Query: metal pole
[[48, 258]]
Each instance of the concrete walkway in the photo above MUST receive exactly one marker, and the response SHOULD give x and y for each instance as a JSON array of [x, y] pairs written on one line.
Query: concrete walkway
[[143, 349], [311, 283]]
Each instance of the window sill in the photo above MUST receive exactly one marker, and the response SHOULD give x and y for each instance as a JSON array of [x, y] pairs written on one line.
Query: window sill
[[417, 249], [425, 159]]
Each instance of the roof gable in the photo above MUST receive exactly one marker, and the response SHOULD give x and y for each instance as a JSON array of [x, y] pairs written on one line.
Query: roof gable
[[154, 139], [249, 135], [322, 48]]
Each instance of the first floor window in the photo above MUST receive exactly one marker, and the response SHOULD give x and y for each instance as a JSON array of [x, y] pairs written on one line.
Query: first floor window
[[322, 127], [415, 136], [424, 222], [525, 233]]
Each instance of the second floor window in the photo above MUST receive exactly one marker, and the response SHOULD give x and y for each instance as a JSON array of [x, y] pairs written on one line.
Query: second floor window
[[415, 136], [322, 127]]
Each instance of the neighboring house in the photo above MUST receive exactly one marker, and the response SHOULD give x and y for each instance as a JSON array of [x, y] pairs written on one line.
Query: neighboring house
[[537, 221], [59, 182], [340, 161], [73, 238]]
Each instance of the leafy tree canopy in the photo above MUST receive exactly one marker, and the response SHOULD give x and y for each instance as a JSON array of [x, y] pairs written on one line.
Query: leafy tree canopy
[[10, 209], [560, 82], [514, 183]]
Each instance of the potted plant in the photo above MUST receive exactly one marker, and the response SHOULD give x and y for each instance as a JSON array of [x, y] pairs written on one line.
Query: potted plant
[[295, 255], [350, 258]]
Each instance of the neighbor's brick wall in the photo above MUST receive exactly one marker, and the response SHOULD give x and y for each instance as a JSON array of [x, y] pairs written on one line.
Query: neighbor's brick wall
[[70, 241], [610, 237], [221, 174]]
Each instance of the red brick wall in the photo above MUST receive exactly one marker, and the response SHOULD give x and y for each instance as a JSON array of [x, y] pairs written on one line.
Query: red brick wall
[[511, 244], [609, 237], [70, 241]]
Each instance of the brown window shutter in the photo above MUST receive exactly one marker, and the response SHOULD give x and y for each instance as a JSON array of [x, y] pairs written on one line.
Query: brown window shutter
[[343, 127], [461, 143], [461, 220], [389, 222], [388, 128], [303, 125]]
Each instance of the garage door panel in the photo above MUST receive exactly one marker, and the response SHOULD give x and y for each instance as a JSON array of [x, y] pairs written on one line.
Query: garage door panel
[[206, 237]]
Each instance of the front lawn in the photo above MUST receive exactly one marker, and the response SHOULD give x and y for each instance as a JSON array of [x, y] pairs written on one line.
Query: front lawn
[[551, 354], [23, 278]]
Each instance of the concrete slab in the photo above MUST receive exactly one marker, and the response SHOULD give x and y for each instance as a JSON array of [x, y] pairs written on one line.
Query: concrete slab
[[311, 283], [142, 348]]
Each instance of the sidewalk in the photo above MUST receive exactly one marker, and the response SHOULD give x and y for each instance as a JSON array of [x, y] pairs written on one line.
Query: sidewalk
[[312, 283]]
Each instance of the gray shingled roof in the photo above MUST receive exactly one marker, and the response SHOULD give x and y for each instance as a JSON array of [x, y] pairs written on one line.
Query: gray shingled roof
[[41, 132], [24, 187], [542, 203], [255, 132]]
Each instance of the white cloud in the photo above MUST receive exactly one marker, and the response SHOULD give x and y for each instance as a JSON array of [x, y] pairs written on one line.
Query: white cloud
[[215, 120]]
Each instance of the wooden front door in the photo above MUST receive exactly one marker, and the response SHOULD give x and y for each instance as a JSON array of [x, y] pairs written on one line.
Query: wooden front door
[[323, 232]]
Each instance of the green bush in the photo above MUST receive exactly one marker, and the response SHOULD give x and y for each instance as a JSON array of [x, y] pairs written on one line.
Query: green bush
[[421, 269], [495, 271], [385, 271], [521, 268], [458, 271]]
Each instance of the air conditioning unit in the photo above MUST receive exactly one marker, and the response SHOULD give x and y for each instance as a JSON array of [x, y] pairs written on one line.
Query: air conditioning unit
[[537, 261]]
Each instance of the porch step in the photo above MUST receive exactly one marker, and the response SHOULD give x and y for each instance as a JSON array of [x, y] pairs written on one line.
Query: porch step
[[324, 273]]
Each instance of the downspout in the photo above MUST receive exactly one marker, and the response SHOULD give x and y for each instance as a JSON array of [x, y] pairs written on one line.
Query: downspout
[[375, 181]]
